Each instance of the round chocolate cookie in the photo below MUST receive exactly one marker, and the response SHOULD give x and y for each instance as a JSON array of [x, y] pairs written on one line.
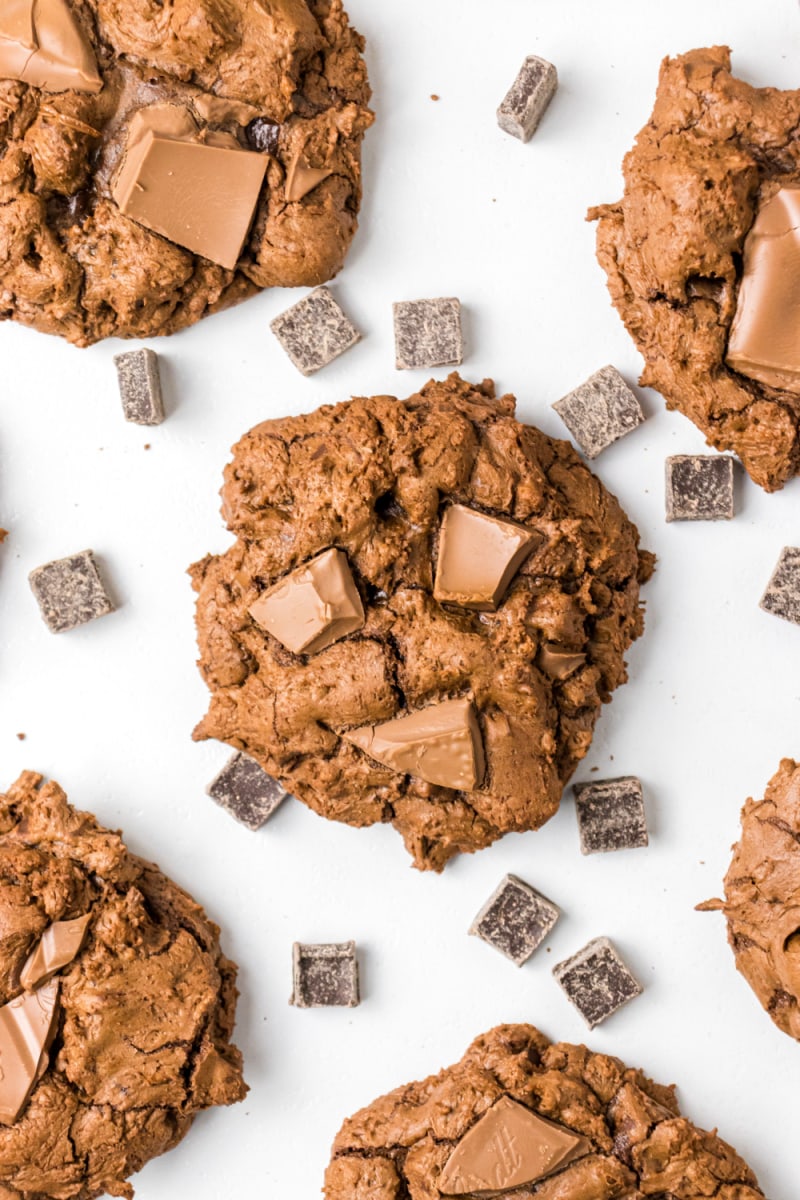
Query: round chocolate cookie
[[163, 161], [425, 607], [522, 1116], [116, 1005], [703, 261]]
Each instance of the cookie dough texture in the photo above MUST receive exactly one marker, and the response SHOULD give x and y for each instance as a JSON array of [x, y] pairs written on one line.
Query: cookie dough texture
[[637, 1141], [295, 83], [373, 477], [147, 1006], [714, 149]]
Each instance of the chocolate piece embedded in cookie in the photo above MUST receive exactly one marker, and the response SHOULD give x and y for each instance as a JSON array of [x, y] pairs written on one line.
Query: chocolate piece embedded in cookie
[[246, 791], [782, 594], [600, 411], [140, 386], [44, 45], [57, 947], [515, 919], [314, 331], [525, 102], [313, 606], [522, 1116], [427, 333], [325, 976], [597, 981], [478, 557], [28, 1025], [70, 592], [610, 815], [699, 487], [441, 744]]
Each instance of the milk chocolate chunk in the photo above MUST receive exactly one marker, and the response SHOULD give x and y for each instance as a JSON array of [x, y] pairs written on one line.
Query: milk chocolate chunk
[[27, 1027], [302, 179], [559, 663], [325, 976], [782, 595], [597, 981], [246, 791], [509, 1147], [478, 557], [611, 815], [699, 487], [515, 919], [314, 331], [70, 592], [57, 947], [313, 606], [600, 411], [427, 333], [42, 44], [140, 386], [529, 95], [441, 744]]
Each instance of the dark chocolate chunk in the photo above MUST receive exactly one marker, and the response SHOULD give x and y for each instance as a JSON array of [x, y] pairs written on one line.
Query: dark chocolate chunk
[[427, 333], [264, 135], [246, 791], [529, 95], [140, 387], [610, 814], [515, 919], [597, 981], [600, 411], [70, 592], [324, 976], [314, 331], [699, 487], [782, 597]]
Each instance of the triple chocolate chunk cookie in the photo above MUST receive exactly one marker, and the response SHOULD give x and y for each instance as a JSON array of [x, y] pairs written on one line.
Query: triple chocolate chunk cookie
[[425, 607], [163, 161], [522, 1116], [116, 1005], [703, 259]]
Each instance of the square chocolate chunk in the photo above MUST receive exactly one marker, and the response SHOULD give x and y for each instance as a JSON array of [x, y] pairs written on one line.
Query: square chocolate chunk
[[325, 976], [246, 791], [782, 597], [70, 592], [597, 981], [699, 487], [427, 333], [515, 919], [600, 411], [610, 814], [314, 331], [529, 95], [140, 387]]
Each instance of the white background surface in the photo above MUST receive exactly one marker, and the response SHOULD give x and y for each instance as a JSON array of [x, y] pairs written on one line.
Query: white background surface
[[453, 207]]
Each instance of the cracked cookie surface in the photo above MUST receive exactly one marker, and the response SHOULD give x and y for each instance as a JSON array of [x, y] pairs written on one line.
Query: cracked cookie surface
[[713, 151], [373, 478], [631, 1139], [285, 79], [146, 1008]]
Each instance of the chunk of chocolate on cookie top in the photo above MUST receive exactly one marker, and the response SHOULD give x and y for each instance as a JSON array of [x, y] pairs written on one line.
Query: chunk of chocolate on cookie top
[[441, 744], [611, 815], [140, 386], [525, 102], [58, 946], [515, 919], [597, 981], [44, 44], [478, 557], [28, 1025], [245, 791], [699, 487], [427, 333], [314, 331], [70, 591], [782, 594], [325, 976], [600, 411], [313, 606]]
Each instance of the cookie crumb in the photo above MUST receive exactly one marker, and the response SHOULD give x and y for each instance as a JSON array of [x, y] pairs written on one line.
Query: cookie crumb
[[434, 96], [21, 736]]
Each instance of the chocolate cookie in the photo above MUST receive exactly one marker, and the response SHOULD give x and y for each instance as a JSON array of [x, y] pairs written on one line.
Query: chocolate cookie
[[425, 607], [703, 261], [163, 161], [521, 1115], [116, 1005], [762, 898]]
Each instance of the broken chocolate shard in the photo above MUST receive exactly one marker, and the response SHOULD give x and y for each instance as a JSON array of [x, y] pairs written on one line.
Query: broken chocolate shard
[[515, 919], [559, 663], [246, 791], [302, 179], [524, 104], [597, 981], [60, 943], [611, 815], [42, 44], [478, 557], [314, 331], [600, 411], [699, 487], [140, 386], [509, 1147], [325, 976], [427, 333], [70, 592], [313, 606], [782, 595], [441, 744], [27, 1028]]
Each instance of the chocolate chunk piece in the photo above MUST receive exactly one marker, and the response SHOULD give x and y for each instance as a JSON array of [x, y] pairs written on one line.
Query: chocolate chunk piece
[[70, 592], [140, 386], [263, 135], [57, 947], [699, 487], [441, 744], [515, 919], [313, 606], [314, 331], [427, 333], [558, 662], [529, 95], [782, 597], [302, 179], [246, 791], [600, 411], [597, 981], [478, 557], [610, 814], [27, 1027], [42, 44], [325, 976]]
